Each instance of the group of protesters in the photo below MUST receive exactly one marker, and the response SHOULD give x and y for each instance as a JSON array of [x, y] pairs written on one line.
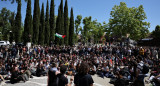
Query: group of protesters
[[124, 64]]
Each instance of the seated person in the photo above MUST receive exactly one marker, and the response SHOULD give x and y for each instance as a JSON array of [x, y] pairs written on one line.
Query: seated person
[[71, 70], [1, 78], [156, 80], [92, 70], [16, 76], [40, 70], [105, 70]]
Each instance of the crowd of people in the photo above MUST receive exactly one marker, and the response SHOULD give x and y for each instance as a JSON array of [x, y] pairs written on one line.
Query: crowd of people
[[121, 64]]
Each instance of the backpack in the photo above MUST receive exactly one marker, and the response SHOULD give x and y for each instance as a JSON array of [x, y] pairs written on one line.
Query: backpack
[[145, 69]]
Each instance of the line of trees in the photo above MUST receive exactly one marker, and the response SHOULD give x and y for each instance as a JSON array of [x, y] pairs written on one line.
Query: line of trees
[[40, 28]]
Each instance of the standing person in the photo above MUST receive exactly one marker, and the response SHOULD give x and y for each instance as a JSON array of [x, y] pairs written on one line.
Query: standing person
[[139, 77], [52, 78], [82, 78], [62, 79], [57, 79]]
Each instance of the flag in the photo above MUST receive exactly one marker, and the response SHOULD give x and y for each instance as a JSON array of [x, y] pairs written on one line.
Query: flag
[[60, 36]]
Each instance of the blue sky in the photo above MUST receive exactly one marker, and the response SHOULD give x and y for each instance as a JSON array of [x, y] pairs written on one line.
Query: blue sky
[[98, 9]]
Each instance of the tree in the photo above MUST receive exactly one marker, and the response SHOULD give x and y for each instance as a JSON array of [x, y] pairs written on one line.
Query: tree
[[62, 22], [97, 31], [42, 26], [36, 22], [18, 23], [47, 28], [52, 22], [77, 25], [87, 26], [126, 20], [66, 25], [58, 24], [28, 24], [71, 29], [156, 33], [5, 25], [12, 23]]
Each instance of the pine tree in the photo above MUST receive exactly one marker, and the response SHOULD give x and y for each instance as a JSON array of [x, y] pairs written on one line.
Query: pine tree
[[66, 27], [28, 24], [36, 22], [18, 23], [71, 28], [42, 27], [47, 28], [52, 22]]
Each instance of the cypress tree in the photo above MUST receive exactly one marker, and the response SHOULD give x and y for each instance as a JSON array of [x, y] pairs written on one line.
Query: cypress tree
[[18, 23], [66, 27], [42, 26], [36, 17], [71, 28], [28, 24], [61, 23], [58, 24], [47, 29], [52, 22], [12, 22]]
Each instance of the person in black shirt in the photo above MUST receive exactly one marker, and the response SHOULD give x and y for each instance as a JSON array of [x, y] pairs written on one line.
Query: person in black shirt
[[62, 80], [57, 79], [16, 77], [82, 78], [52, 78]]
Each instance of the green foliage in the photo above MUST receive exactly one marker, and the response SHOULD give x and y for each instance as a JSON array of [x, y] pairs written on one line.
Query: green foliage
[[66, 24], [126, 20], [77, 23], [52, 21], [97, 31], [71, 29], [60, 24], [47, 26], [18, 23], [36, 22], [156, 32], [87, 24], [12, 30], [27, 35], [5, 25], [42, 27], [92, 30], [77, 26]]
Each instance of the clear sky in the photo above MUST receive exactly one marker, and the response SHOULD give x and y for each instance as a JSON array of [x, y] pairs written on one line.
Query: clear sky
[[98, 9]]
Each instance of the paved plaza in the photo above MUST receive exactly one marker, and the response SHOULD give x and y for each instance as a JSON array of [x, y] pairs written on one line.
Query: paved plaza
[[42, 81]]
